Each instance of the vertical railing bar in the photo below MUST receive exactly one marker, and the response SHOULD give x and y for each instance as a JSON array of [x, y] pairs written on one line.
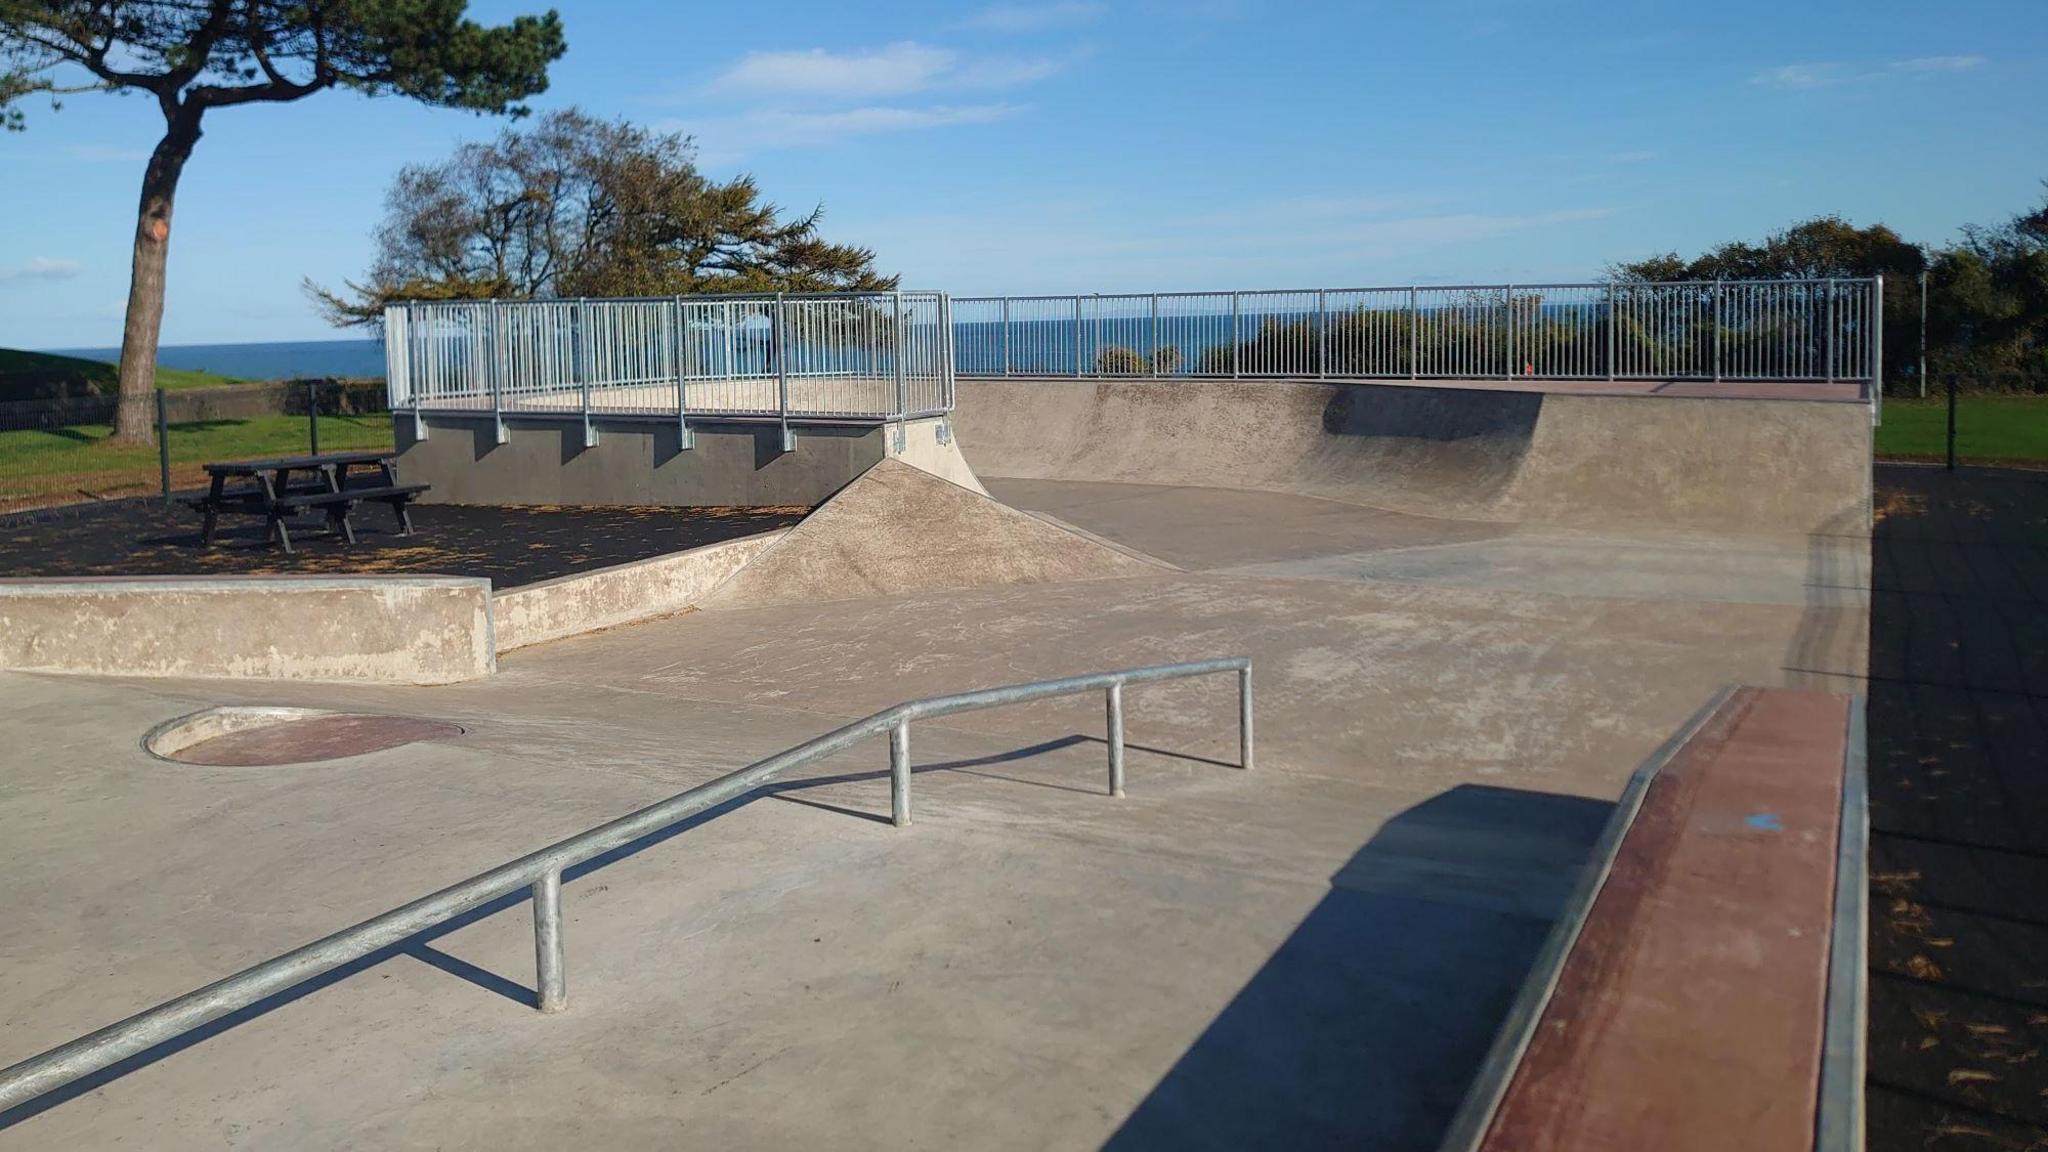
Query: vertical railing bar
[[1113, 706], [899, 774], [1244, 717], [550, 983]]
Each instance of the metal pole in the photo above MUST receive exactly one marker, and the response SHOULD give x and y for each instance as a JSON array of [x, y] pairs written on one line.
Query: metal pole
[[1152, 352], [552, 990], [899, 774], [1949, 381], [1244, 717], [902, 398], [163, 445], [1921, 371], [1512, 369], [586, 366], [1715, 328], [679, 348], [313, 416], [1322, 333], [1877, 351], [1077, 336], [1830, 341], [1236, 351], [781, 353], [1006, 335], [1414, 333], [1613, 327], [1113, 699]]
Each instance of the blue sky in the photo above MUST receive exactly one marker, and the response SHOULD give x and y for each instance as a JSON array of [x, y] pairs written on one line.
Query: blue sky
[[1100, 145]]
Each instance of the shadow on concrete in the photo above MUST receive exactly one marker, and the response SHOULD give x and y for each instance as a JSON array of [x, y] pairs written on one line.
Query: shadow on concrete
[[417, 947], [1959, 811], [1367, 1024]]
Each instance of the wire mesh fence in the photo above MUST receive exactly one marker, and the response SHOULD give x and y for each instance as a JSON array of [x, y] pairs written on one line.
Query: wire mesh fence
[[55, 453]]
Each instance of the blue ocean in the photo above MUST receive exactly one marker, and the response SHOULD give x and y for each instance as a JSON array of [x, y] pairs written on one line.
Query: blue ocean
[[283, 360]]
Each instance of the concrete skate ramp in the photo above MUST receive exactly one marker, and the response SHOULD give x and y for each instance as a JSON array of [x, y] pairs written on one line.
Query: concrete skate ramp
[[901, 529], [1722, 464]]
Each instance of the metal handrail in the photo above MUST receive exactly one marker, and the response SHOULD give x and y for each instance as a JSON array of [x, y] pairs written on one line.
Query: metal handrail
[[542, 872]]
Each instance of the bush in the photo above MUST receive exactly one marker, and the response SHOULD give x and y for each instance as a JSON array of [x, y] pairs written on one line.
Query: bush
[[1117, 360]]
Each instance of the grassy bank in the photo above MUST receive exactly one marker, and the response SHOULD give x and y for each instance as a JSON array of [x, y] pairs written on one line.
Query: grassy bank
[[45, 466], [2001, 429], [30, 375]]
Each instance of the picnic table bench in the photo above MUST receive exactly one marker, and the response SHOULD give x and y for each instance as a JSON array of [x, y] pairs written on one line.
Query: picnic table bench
[[326, 485]]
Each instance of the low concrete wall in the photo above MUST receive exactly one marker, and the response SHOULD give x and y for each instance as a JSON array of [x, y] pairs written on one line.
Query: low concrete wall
[[411, 630], [635, 461], [553, 609]]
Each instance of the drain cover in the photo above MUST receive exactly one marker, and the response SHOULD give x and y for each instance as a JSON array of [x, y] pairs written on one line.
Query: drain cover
[[251, 737]]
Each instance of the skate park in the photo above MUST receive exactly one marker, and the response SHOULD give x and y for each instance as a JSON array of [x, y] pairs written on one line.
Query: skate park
[[1474, 607]]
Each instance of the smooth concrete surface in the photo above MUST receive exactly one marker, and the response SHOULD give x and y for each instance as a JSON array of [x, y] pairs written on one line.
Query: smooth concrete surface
[[1723, 464], [1312, 954], [635, 461], [900, 529], [405, 629], [620, 594], [930, 445]]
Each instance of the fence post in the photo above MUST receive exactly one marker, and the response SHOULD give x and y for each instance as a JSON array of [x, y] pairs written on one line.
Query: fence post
[[1715, 328], [551, 987], [902, 397], [1920, 370], [1877, 349], [899, 774], [1414, 333], [1152, 351], [1236, 350], [1613, 326], [313, 417], [500, 368], [1508, 293], [163, 445], [586, 366], [1830, 345], [1006, 335], [1322, 333], [1077, 336], [685, 439], [781, 353]]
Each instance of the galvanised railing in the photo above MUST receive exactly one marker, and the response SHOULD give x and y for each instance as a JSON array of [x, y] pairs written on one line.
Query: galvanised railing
[[1762, 330], [541, 871], [816, 357]]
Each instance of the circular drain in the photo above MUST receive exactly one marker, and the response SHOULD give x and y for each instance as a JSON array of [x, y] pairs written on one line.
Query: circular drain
[[247, 737]]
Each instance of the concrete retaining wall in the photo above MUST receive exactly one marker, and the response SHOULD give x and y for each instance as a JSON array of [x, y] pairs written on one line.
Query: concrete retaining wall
[[411, 630], [635, 461], [1732, 463], [620, 594]]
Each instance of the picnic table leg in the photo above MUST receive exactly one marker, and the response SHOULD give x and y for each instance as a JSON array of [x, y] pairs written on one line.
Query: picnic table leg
[[404, 516], [273, 520], [337, 514], [212, 513]]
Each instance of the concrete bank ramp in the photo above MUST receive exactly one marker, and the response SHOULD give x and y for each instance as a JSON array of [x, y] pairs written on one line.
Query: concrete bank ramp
[[900, 529], [1719, 464]]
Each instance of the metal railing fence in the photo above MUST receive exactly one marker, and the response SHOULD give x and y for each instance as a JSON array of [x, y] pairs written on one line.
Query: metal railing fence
[[1775, 330], [541, 871], [857, 356]]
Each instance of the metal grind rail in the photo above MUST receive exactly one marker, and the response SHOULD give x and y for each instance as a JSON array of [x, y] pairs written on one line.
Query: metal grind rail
[[541, 871]]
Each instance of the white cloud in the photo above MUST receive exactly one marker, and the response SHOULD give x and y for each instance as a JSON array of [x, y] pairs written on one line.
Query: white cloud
[[1035, 17], [41, 268], [1828, 73], [723, 140], [892, 71], [895, 70]]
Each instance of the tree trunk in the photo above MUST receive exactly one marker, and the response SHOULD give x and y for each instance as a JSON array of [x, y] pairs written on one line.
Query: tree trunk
[[134, 420]]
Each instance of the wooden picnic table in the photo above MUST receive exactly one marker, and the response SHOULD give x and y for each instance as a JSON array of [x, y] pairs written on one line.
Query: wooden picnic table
[[279, 491]]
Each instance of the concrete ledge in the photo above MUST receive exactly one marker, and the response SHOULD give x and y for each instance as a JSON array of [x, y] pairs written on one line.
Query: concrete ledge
[[586, 601], [409, 630]]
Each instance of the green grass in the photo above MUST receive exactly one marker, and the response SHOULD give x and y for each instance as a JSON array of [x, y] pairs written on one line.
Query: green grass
[[29, 375], [2006, 429], [41, 466]]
